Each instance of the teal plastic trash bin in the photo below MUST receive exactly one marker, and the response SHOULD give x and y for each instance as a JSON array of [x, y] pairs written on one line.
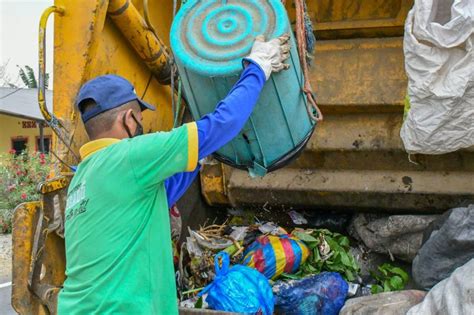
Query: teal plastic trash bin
[[209, 39]]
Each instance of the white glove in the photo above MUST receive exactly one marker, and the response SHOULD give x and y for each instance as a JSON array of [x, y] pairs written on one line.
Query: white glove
[[270, 55]]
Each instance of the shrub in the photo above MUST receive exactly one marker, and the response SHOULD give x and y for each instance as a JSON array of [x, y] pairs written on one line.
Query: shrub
[[6, 217], [19, 178]]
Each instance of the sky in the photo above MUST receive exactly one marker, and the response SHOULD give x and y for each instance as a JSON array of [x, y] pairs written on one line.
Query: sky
[[19, 20]]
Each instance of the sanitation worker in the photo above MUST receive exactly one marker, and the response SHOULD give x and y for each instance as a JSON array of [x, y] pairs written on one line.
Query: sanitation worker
[[117, 232]]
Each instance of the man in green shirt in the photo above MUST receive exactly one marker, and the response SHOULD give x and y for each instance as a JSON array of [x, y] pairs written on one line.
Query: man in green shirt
[[118, 245]]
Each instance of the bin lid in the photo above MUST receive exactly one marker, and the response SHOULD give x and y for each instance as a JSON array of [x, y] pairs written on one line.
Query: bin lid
[[210, 37]]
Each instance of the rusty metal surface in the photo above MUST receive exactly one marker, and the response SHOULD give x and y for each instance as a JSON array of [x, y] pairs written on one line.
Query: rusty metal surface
[[354, 189], [214, 182], [53, 184], [48, 257], [356, 18], [143, 40], [362, 156], [24, 226], [372, 141], [355, 158], [360, 75], [76, 38], [38, 250]]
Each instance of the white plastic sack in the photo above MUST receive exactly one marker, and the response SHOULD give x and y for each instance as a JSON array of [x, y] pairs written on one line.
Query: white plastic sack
[[439, 61], [452, 296]]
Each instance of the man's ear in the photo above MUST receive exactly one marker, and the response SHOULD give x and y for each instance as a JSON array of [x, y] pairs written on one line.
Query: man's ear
[[126, 122], [128, 117], [125, 118]]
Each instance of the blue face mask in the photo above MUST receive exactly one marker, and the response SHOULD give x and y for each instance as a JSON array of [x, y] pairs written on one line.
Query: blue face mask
[[138, 130]]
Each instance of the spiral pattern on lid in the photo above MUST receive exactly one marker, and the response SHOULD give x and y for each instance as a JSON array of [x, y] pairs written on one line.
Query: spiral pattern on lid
[[211, 37]]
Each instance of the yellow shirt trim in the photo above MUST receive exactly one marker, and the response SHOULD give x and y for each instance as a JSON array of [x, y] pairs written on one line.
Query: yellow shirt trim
[[193, 146], [93, 146]]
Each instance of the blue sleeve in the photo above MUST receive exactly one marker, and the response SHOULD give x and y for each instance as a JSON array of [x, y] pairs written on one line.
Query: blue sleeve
[[177, 185], [221, 126]]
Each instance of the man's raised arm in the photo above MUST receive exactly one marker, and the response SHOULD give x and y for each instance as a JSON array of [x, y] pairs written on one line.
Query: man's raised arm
[[221, 126], [218, 128]]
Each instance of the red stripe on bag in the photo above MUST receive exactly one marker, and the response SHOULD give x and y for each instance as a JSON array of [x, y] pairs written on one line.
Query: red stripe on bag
[[289, 254], [264, 240], [259, 260]]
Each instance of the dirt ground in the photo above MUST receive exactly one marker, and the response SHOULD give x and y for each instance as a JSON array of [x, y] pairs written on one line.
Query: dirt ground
[[5, 255]]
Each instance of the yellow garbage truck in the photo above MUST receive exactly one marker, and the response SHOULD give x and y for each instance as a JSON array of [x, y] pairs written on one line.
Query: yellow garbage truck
[[354, 160]]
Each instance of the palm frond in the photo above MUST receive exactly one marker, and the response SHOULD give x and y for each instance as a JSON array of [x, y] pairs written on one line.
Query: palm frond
[[31, 78], [23, 76]]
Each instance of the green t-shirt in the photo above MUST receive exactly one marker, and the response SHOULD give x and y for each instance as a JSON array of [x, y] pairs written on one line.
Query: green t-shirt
[[117, 232]]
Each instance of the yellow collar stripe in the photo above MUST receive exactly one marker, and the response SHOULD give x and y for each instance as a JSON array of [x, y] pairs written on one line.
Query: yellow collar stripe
[[93, 146], [193, 146]]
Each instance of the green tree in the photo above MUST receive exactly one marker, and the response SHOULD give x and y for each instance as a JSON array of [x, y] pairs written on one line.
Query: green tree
[[27, 75]]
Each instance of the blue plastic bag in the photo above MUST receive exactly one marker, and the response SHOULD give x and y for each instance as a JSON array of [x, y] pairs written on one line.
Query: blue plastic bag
[[238, 289], [323, 294]]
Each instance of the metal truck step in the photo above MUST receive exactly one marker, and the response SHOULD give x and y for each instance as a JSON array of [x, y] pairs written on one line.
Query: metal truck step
[[372, 141], [353, 189]]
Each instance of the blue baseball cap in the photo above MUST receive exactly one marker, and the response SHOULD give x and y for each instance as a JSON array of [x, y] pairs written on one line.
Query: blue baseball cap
[[108, 92]]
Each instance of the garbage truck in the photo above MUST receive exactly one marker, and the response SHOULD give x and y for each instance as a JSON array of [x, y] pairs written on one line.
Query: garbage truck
[[353, 161]]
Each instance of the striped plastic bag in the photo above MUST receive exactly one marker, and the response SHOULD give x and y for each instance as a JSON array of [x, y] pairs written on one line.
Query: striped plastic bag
[[274, 255]]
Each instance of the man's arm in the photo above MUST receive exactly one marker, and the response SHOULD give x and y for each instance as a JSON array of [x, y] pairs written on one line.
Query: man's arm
[[178, 184], [218, 128]]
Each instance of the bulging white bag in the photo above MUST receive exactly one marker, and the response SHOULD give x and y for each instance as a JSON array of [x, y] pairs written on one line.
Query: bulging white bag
[[439, 62]]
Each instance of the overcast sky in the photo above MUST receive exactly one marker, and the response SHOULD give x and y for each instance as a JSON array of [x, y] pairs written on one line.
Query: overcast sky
[[19, 20]]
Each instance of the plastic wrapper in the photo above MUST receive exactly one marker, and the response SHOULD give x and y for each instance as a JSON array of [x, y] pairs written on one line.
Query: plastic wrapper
[[274, 255], [297, 218], [271, 228], [238, 289], [324, 293], [211, 244]]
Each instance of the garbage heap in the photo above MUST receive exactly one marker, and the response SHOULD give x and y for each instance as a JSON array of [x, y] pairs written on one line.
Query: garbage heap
[[328, 263]]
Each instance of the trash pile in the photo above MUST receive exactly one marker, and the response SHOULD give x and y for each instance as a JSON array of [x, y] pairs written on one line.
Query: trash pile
[[251, 266], [264, 267]]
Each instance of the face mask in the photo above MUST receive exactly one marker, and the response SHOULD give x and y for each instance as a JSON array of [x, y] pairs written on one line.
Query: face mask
[[138, 130]]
